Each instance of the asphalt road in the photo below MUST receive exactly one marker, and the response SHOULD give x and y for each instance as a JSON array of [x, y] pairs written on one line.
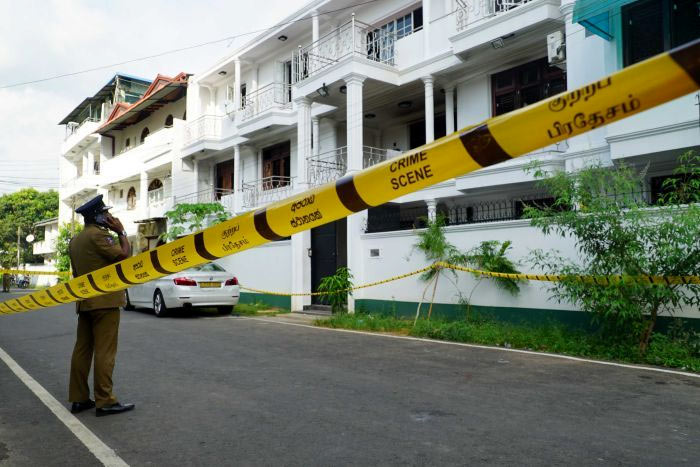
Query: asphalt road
[[238, 391]]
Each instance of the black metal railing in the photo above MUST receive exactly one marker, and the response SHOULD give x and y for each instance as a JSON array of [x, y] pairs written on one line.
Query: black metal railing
[[390, 217]]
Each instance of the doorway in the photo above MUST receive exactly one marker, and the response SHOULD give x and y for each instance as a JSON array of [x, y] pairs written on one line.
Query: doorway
[[224, 178], [328, 253]]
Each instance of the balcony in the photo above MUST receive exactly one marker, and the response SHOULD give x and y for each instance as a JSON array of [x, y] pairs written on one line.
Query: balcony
[[44, 247], [81, 185], [206, 127], [272, 96], [153, 153], [77, 134], [478, 22], [266, 190], [331, 165], [352, 40], [210, 195]]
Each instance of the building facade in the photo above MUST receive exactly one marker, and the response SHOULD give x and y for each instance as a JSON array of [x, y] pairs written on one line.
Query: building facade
[[339, 86]]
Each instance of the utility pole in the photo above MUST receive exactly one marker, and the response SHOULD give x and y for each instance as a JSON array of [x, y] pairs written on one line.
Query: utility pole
[[18, 233]]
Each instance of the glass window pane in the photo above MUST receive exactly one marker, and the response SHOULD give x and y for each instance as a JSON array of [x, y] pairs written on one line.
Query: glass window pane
[[685, 21], [643, 31]]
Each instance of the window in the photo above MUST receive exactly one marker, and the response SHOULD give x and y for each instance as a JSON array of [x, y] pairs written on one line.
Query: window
[[131, 198], [276, 164], [127, 143], [229, 92], [651, 26], [121, 193], [155, 184], [243, 93], [525, 85], [404, 25], [169, 121], [144, 134]]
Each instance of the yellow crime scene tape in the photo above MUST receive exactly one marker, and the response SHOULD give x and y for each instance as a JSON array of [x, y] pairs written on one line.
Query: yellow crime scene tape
[[34, 273], [629, 91], [599, 280]]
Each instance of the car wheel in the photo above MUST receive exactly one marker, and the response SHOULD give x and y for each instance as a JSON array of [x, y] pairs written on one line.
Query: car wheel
[[159, 304], [225, 309], [129, 306]]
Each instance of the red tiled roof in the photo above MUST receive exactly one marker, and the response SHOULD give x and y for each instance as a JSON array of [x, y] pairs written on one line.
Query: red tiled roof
[[160, 82]]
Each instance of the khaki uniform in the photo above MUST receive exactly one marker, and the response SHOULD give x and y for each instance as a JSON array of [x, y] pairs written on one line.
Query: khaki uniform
[[98, 319]]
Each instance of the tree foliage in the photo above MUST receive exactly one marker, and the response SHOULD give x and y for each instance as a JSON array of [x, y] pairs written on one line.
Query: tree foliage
[[617, 231], [192, 217], [23, 209], [62, 243]]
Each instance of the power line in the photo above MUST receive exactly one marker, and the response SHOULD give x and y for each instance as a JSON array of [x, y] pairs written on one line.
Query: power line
[[181, 49]]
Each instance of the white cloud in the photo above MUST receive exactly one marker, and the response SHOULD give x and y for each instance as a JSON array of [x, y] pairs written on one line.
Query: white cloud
[[62, 36]]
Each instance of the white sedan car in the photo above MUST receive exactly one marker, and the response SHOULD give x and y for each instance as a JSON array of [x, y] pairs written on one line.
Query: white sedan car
[[208, 285]]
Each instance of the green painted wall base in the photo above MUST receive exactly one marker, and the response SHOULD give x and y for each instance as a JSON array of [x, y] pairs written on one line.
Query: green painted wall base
[[272, 300], [536, 316]]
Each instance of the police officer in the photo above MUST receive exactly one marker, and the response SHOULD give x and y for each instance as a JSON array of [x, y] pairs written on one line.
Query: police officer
[[98, 317]]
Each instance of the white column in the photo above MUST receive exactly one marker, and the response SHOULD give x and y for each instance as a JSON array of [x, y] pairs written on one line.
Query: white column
[[432, 209], [303, 140], [354, 85], [450, 109], [429, 109], [426, 28], [301, 242], [236, 84], [315, 135], [143, 194], [90, 163], [195, 176], [355, 143], [237, 193], [314, 26]]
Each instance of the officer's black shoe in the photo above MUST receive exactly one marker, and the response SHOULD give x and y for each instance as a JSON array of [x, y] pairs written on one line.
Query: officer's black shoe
[[77, 407], [113, 409]]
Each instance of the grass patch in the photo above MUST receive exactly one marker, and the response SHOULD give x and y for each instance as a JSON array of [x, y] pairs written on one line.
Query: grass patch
[[257, 309], [680, 350]]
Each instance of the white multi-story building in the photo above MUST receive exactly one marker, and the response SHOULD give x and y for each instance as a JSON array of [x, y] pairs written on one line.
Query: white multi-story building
[[121, 143], [339, 86]]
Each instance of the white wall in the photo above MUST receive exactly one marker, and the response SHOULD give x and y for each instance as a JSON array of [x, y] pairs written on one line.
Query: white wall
[[473, 101], [265, 267]]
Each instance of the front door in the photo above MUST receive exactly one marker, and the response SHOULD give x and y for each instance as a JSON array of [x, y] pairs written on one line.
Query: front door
[[328, 252]]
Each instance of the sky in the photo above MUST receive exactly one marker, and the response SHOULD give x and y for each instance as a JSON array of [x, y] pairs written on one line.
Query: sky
[[43, 38]]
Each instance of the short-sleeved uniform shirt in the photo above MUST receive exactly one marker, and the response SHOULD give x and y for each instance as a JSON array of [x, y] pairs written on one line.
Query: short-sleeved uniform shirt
[[92, 249]]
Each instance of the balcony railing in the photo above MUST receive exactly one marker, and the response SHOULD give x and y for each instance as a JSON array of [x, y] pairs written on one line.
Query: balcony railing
[[468, 12], [266, 190], [352, 39], [156, 197], [271, 96], [210, 195], [331, 165], [73, 127], [206, 126]]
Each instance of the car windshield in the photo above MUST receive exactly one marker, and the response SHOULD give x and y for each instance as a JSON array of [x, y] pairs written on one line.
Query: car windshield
[[209, 267]]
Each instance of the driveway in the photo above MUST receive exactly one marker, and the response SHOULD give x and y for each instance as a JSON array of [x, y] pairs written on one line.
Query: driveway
[[267, 391]]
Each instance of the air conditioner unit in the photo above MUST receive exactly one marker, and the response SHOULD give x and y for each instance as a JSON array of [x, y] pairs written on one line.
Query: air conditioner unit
[[556, 49]]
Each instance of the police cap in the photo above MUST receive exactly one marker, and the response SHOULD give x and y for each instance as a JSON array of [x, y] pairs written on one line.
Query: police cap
[[93, 207]]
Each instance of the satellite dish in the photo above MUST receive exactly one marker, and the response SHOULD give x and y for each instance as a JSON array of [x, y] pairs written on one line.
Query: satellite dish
[[30, 238]]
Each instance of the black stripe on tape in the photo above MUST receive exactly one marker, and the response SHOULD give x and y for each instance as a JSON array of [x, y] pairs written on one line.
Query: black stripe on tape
[[36, 301], [70, 291], [7, 304], [121, 276], [483, 147], [347, 192], [201, 248], [94, 286], [51, 296], [688, 58], [156, 263], [22, 305], [263, 226]]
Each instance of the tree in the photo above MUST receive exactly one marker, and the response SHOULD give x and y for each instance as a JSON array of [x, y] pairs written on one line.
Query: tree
[[193, 217], [337, 288], [23, 209], [618, 232], [487, 256], [65, 233]]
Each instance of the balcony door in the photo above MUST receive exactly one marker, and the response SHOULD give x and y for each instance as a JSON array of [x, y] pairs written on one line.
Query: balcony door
[[276, 165], [224, 178]]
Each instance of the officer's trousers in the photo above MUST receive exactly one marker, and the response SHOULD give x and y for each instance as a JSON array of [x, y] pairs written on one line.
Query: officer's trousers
[[98, 332]]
